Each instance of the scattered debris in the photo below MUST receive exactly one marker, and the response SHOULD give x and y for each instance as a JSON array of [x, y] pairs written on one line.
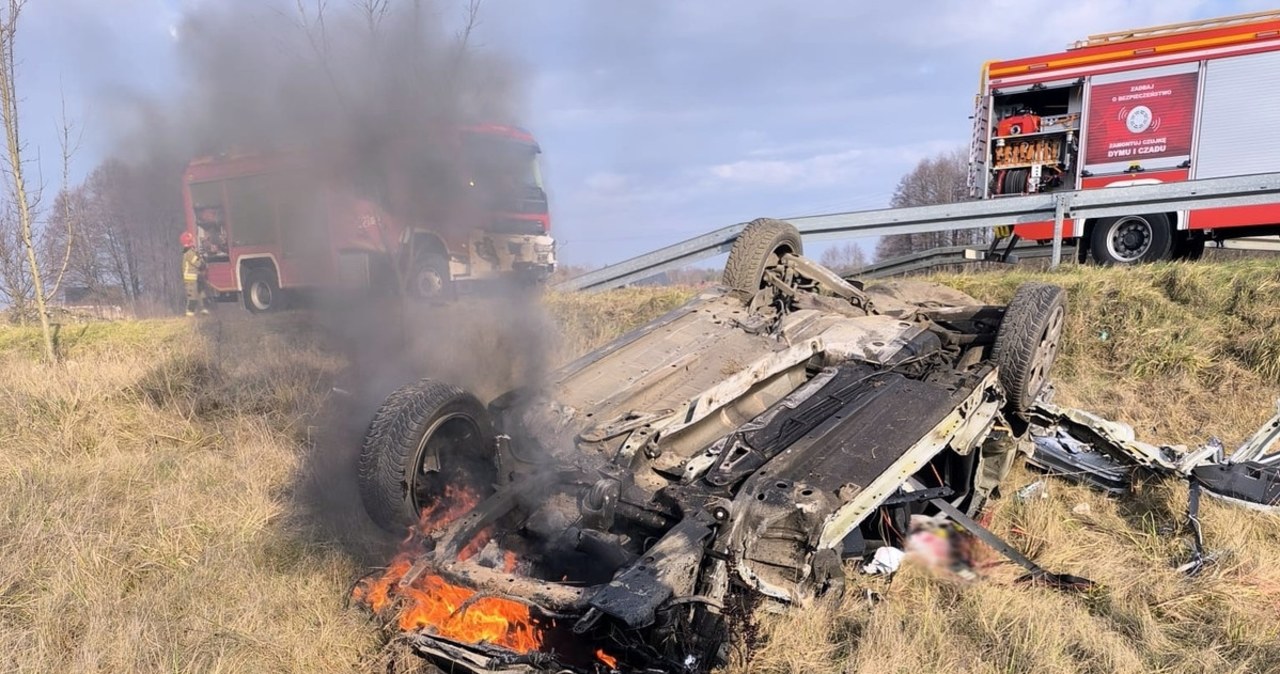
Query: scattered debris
[[1036, 490], [885, 561]]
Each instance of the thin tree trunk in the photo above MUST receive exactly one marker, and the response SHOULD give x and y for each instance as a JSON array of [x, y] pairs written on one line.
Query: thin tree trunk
[[67, 213], [9, 113]]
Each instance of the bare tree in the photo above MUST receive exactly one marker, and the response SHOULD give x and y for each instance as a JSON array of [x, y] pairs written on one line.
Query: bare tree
[[15, 276], [18, 192], [374, 12], [469, 26], [68, 211], [936, 180], [844, 258], [70, 232]]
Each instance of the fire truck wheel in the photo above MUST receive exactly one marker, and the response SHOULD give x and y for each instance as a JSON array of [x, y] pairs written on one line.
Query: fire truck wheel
[[760, 246], [429, 278], [1132, 239], [261, 291], [1027, 342], [427, 442]]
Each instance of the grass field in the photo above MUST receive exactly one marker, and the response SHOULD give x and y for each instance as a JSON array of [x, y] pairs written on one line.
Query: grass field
[[177, 494]]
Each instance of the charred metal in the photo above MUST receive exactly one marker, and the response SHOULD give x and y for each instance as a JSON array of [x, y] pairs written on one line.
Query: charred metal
[[733, 450]]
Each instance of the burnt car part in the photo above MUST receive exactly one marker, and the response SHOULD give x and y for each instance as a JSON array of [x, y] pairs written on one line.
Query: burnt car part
[[723, 455], [1084, 447]]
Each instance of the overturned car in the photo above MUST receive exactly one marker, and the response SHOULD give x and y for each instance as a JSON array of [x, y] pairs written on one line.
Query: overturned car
[[730, 453]]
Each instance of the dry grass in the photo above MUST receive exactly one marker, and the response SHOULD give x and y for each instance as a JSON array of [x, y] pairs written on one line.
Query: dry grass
[[588, 320], [155, 495], [147, 513]]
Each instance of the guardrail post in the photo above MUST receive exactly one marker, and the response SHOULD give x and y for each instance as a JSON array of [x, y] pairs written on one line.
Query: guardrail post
[[1059, 214]]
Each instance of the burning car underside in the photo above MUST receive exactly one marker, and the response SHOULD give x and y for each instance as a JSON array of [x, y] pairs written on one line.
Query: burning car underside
[[732, 452]]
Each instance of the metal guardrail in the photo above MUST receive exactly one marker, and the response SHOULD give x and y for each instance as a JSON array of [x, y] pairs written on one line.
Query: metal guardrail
[[1057, 206], [938, 257], [952, 255]]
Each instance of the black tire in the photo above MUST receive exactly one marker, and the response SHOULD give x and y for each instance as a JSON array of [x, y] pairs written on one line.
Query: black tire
[[1027, 342], [1132, 239], [429, 278], [262, 292], [425, 437], [760, 246]]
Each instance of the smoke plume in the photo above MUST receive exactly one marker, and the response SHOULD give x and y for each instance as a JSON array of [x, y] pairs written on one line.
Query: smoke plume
[[358, 88], [349, 83]]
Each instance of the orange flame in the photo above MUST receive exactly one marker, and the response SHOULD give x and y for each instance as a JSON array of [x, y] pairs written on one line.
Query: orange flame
[[476, 545], [437, 606], [608, 660], [432, 604]]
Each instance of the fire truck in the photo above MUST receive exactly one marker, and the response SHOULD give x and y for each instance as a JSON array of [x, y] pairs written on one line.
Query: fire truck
[[1163, 104], [271, 226]]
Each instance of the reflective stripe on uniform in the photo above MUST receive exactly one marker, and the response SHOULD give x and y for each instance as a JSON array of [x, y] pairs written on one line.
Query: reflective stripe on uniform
[[190, 267]]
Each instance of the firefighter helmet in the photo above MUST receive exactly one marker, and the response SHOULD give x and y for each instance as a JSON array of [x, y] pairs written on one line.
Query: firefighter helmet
[[187, 240]]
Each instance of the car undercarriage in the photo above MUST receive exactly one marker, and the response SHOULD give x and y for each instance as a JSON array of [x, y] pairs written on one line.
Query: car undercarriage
[[623, 514]]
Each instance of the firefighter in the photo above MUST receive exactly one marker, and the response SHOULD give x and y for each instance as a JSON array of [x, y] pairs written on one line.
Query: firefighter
[[192, 275]]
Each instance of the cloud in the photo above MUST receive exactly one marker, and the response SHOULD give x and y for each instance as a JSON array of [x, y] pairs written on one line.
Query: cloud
[[686, 116], [607, 183], [819, 170]]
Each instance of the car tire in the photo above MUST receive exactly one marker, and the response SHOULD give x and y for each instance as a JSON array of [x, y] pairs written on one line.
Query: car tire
[[1027, 342], [262, 292], [429, 278], [425, 437], [760, 246], [1132, 239]]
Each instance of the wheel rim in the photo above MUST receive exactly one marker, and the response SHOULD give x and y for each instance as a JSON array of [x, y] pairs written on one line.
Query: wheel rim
[[428, 282], [1046, 352], [773, 263], [261, 295], [448, 437], [1129, 238]]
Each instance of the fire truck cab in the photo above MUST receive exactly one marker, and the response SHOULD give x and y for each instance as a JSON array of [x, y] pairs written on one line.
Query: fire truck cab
[[271, 226], [1162, 104]]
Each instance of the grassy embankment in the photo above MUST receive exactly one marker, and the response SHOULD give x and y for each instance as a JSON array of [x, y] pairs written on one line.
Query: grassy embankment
[[159, 496]]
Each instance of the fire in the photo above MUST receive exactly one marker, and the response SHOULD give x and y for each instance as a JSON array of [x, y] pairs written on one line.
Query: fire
[[453, 612], [430, 603], [456, 502], [476, 545], [608, 660]]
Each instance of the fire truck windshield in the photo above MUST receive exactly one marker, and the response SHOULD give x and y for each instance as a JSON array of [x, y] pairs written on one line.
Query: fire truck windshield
[[505, 173]]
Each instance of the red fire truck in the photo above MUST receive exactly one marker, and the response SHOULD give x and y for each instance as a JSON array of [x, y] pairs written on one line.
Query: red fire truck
[[1163, 104], [273, 225]]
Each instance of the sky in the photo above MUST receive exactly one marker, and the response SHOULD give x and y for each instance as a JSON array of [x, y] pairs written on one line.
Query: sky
[[659, 120]]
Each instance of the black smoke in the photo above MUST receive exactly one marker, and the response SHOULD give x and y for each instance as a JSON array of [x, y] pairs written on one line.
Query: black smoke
[[358, 87]]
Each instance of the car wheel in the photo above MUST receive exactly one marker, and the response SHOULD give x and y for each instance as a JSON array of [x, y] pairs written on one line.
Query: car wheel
[[262, 291], [429, 279], [1027, 342], [760, 246], [426, 438], [1132, 239]]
